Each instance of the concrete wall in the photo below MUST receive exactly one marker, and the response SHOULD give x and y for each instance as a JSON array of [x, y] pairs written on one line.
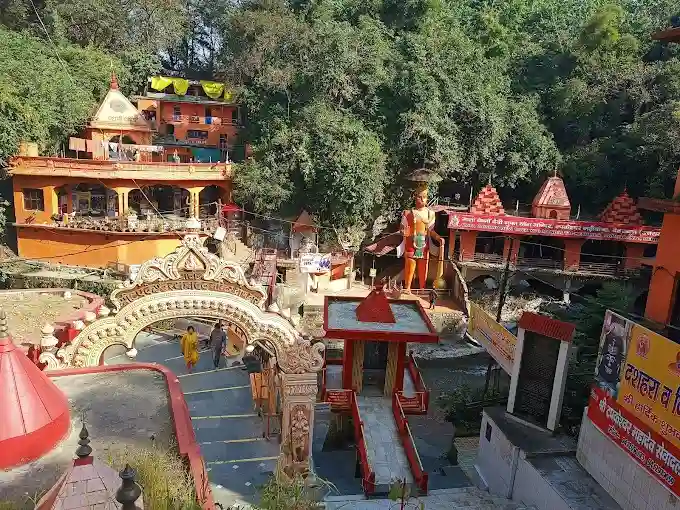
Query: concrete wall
[[92, 249], [630, 485], [533, 490], [496, 459]]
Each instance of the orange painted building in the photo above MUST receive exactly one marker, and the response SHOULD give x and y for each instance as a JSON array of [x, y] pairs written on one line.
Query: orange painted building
[[663, 300], [129, 199], [550, 238]]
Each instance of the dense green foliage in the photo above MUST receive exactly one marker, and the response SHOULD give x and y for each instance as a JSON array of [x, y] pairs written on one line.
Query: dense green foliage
[[344, 97]]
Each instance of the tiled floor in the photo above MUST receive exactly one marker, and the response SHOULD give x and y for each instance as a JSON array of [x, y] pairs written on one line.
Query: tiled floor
[[385, 451]]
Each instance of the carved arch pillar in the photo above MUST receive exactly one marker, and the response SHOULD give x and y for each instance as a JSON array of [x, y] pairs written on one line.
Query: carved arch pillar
[[299, 393]]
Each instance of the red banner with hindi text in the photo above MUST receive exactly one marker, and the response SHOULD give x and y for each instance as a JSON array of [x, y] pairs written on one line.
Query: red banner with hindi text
[[659, 458]]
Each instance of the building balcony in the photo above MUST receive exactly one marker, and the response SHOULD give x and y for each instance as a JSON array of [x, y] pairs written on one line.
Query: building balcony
[[130, 224], [109, 169], [206, 121]]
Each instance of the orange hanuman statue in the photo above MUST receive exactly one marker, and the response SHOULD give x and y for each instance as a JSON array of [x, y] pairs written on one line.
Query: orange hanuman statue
[[417, 228]]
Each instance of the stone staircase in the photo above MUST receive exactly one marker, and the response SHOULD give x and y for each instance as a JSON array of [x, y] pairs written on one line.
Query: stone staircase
[[234, 249]]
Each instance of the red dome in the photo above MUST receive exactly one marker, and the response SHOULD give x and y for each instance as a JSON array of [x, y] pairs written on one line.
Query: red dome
[[35, 413]]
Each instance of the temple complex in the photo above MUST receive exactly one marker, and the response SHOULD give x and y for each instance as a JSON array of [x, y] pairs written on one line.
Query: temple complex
[[546, 239], [137, 179], [550, 238]]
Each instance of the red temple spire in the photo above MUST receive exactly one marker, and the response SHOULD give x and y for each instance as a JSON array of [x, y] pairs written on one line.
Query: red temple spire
[[114, 81], [375, 308]]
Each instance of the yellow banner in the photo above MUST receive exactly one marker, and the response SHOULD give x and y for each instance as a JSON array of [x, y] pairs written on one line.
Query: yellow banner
[[160, 83], [212, 89], [497, 340], [650, 382], [180, 85]]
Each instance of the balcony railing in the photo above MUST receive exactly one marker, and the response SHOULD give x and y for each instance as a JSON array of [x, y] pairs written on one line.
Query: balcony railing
[[594, 268], [197, 119], [24, 165], [131, 224]]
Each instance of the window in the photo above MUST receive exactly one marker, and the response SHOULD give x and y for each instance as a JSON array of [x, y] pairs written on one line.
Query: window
[[224, 142], [34, 200], [234, 116], [195, 133], [176, 113]]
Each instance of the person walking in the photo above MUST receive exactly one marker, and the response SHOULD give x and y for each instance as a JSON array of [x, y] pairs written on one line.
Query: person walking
[[218, 341], [189, 346], [433, 299]]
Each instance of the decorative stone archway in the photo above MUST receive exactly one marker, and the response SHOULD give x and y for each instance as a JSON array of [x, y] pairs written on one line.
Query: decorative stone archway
[[192, 282]]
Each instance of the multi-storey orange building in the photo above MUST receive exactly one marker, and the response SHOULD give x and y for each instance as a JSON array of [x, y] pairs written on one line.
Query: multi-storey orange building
[[663, 300], [133, 184]]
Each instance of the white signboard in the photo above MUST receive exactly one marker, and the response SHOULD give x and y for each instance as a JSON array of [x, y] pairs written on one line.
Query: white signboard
[[315, 263]]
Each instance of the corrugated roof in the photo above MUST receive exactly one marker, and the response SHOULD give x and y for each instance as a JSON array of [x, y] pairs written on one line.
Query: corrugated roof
[[385, 244]]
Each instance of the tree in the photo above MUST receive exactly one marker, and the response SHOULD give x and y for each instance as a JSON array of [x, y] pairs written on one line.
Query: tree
[[48, 92]]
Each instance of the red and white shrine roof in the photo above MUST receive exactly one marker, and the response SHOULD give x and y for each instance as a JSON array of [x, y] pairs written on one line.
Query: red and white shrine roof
[[377, 318], [34, 413]]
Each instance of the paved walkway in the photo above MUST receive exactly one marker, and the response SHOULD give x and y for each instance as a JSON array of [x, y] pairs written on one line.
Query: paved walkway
[[238, 458], [468, 498], [385, 452]]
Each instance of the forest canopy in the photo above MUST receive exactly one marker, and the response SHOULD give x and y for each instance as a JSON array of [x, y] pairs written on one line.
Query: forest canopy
[[344, 97]]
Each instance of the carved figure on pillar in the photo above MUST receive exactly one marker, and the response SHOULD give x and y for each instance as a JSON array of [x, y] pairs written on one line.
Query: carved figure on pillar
[[417, 229]]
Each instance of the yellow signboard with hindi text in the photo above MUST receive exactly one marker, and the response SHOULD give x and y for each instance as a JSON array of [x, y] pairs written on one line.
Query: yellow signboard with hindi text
[[650, 382], [497, 340]]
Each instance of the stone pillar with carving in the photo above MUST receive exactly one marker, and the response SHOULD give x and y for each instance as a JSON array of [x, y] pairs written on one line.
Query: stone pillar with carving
[[299, 397]]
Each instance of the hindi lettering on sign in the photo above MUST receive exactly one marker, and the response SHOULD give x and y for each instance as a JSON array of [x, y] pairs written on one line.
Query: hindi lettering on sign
[[650, 387], [641, 443], [497, 340], [156, 288], [549, 227]]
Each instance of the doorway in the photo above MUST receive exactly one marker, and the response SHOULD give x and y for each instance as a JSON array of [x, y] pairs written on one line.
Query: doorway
[[375, 366]]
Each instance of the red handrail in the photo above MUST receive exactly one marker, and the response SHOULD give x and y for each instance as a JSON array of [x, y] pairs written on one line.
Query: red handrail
[[418, 381], [419, 474], [367, 475]]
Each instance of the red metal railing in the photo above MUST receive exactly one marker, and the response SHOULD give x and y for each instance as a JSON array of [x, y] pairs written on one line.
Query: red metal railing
[[419, 474], [367, 476], [339, 399], [420, 402]]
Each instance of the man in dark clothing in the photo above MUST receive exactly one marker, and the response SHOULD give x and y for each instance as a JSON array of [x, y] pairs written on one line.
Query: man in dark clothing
[[218, 341], [433, 299]]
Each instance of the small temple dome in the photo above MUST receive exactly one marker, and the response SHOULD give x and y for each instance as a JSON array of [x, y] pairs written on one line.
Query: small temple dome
[[623, 211], [89, 484], [552, 201], [488, 202], [35, 413]]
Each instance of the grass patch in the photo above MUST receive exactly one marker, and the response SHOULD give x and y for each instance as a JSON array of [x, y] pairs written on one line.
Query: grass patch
[[165, 482]]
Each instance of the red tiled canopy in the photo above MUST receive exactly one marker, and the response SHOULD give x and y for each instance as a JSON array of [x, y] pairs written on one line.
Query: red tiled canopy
[[622, 210], [35, 413], [488, 202]]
